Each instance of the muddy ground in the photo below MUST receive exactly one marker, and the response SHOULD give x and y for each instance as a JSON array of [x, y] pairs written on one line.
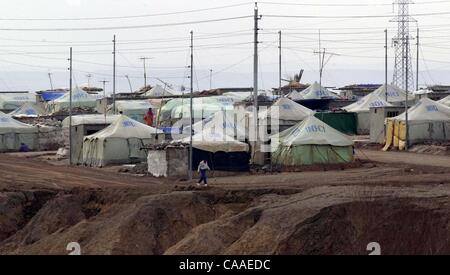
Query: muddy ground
[[400, 200]]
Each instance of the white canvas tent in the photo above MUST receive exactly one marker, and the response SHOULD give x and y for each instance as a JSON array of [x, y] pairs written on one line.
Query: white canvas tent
[[120, 143], [13, 133], [159, 91], [395, 95], [428, 120], [12, 101], [286, 109], [80, 99], [213, 140], [27, 110], [134, 109], [311, 142], [221, 121], [295, 95], [315, 91], [426, 110], [362, 109], [445, 101], [90, 119], [422, 92]]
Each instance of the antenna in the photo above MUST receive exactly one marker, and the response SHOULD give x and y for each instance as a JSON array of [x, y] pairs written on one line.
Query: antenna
[[51, 82]]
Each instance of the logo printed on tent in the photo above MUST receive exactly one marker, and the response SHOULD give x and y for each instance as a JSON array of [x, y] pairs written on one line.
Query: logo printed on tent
[[30, 112], [432, 108], [315, 129], [20, 98], [377, 103], [286, 106], [393, 94], [128, 123], [4, 119], [79, 96]]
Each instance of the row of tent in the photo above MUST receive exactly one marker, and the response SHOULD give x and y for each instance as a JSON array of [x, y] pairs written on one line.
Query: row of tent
[[428, 120], [310, 141], [386, 95], [314, 91]]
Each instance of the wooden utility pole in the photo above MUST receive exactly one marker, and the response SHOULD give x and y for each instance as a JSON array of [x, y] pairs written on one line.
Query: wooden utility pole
[[279, 63], [70, 109], [417, 64], [386, 65], [114, 74], [191, 118], [255, 79], [406, 98]]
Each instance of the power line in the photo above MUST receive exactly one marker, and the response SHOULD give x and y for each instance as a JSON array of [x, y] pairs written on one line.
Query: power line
[[350, 16], [342, 4], [124, 17], [129, 27]]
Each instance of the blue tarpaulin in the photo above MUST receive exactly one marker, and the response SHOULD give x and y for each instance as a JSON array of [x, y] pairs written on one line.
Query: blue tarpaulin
[[49, 96]]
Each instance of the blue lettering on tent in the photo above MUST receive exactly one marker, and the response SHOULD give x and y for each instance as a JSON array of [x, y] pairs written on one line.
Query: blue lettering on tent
[[286, 106], [128, 123], [376, 103], [4, 119], [320, 93], [315, 129], [432, 108], [30, 112], [393, 94], [225, 100], [227, 125], [79, 96], [20, 98]]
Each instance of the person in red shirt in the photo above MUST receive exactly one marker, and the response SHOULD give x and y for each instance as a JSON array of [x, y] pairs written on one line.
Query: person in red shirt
[[149, 117]]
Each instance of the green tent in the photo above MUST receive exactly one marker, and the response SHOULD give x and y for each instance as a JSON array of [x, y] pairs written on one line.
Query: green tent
[[311, 142]]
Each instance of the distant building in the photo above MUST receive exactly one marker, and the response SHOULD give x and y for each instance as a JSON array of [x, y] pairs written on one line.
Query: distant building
[[358, 90]]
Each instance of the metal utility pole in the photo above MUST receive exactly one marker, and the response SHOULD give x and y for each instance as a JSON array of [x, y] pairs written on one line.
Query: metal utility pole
[[129, 83], [320, 59], [191, 117], [255, 76], [417, 64], [403, 66], [89, 80], [406, 98], [104, 87], [104, 96], [322, 62], [145, 70], [210, 78], [70, 109], [386, 65], [114, 74], [51, 82], [279, 63]]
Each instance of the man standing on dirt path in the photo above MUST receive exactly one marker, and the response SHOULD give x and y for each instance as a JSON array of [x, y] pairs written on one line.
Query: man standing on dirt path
[[202, 168], [149, 117]]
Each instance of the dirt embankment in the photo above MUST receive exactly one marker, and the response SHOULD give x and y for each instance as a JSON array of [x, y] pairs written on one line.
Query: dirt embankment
[[394, 200], [323, 220]]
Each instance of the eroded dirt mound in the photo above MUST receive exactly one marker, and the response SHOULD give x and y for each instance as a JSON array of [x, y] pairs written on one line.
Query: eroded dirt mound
[[322, 220]]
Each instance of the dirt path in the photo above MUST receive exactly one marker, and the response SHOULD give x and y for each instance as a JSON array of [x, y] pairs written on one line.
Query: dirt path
[[18, 173], [404, 158]]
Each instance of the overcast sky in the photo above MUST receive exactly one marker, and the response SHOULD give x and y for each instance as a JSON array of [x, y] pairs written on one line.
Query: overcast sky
[[26, 57]]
